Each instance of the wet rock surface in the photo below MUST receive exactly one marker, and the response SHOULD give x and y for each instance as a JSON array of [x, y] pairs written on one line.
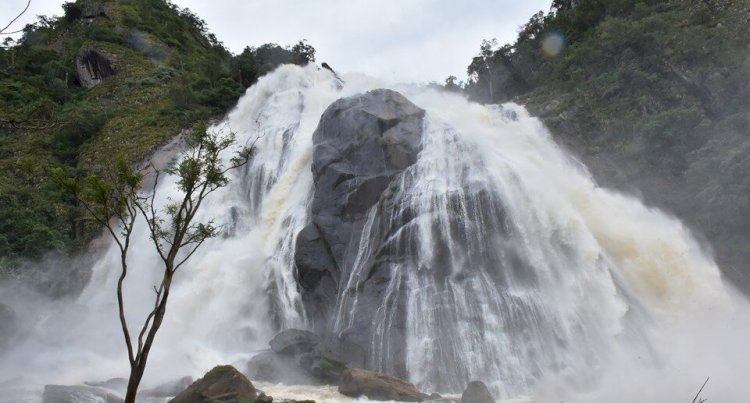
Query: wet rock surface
[[221, 384], [293, 341], [302, 357], [359, 382], [362, 146], [477, 392]]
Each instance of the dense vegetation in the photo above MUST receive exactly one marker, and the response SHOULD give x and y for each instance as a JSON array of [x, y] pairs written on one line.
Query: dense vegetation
[[652, 94], [158, 71]]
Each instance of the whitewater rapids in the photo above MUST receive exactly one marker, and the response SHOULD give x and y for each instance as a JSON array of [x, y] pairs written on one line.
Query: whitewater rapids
[[602, 298]]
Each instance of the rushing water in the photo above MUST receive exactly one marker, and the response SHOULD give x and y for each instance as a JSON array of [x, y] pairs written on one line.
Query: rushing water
[[519, 270]]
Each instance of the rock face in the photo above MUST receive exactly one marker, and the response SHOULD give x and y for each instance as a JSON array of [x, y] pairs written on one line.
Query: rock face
[[293, 341], [301, 357], [358, 382], [362, 146], [93, 66], [477, 392], [221, 384]]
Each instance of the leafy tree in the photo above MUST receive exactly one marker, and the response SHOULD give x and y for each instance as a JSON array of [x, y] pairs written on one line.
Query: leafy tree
[[451, 84], [174, 231], [303, 52]]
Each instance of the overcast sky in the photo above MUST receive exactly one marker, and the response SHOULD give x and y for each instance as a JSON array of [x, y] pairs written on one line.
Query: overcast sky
[[396, 40]]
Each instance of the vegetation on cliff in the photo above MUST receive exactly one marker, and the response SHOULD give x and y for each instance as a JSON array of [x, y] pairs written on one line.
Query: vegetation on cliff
[[109, 78], [651, 94]]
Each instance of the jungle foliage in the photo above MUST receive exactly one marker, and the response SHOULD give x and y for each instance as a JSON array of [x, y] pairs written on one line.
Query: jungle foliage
[[168, 72], [652, 94]]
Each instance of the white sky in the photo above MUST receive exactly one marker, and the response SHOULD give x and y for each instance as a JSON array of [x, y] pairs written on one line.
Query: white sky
[[395, 40]]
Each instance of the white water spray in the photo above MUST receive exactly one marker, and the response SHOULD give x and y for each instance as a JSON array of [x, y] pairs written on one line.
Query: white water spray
[[525, 274]]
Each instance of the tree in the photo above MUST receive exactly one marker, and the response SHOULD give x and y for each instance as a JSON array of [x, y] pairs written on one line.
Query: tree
[[451, 84], [304, 53], [481, 67], [175, 234]]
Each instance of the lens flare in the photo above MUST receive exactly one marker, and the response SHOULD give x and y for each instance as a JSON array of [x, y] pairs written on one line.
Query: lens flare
[[553, 44]]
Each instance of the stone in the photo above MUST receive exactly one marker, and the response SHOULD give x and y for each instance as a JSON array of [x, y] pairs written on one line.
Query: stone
[[221, 384], [357, 382], [361, 148], [263, 398], [93, 66], [78, 394], [477, 392], [328, 370], [269, 366], [294, 341]]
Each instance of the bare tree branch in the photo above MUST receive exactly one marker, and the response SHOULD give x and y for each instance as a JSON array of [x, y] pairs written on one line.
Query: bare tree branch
[[2, 31], [695, 399]]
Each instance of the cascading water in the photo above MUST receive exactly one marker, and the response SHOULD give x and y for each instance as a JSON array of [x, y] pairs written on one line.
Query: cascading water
[[513, 266]]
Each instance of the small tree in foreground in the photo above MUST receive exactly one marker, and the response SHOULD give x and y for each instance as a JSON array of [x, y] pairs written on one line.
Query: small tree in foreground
[[115, 201]]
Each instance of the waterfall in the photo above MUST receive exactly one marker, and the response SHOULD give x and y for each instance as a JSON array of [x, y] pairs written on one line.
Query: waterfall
[[514, 267]]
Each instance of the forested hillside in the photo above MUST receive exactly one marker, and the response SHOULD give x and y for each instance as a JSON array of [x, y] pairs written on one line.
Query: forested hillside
[[652, 94], [108, 78]]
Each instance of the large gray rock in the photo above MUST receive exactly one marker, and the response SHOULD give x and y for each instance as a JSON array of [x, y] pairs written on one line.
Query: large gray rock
[[362, 146], [270, 366], [359, 382], [221, 384], [303, 357], [477, 392]]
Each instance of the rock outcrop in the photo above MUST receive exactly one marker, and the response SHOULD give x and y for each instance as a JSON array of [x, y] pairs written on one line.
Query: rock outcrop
[[93, 66], [223, 383], [477, 392], [359, 382], [302, 357], [362, 146]]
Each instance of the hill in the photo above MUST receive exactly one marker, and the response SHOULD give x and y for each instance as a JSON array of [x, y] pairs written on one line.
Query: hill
[[652, 95], [107, 78]]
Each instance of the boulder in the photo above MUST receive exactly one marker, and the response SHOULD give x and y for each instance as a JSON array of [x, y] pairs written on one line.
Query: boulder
[[477, 392], [362, 146], [222, 384], [93, 66], [327, 370], [263, 398], [294, 341], [358, 382], [78, 394], [269, 366]]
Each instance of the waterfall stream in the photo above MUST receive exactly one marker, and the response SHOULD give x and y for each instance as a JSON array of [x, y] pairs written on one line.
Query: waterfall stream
[[516, 268]]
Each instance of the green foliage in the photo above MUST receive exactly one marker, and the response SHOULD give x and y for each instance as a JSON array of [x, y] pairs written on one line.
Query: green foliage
[[657, 85], [175, 232], [170, 72]]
